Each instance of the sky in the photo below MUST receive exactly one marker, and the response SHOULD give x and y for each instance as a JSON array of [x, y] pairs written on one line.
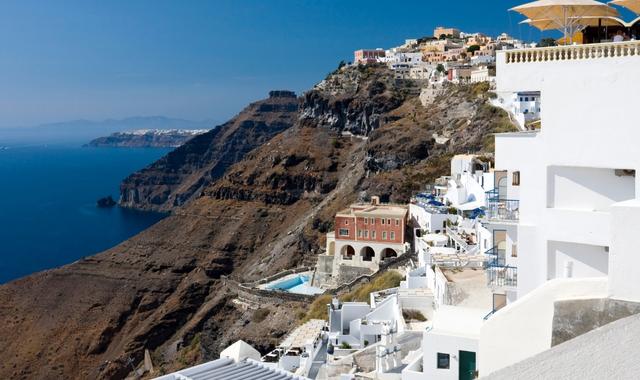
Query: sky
[[199, 59]]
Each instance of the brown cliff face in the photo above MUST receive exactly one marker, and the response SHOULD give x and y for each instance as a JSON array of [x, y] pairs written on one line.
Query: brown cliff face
[[182, 174], [268, 212]]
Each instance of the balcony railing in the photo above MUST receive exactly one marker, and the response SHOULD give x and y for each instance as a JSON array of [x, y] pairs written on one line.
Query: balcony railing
[[574, 52], [505, 210], [502, 276], [496, 257]]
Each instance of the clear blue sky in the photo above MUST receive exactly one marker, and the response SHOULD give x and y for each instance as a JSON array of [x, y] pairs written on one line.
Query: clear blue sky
[[198, 59]]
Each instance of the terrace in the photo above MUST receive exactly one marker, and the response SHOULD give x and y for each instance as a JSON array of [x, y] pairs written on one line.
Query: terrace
[[504, 210], [573, 52], [499, 274]]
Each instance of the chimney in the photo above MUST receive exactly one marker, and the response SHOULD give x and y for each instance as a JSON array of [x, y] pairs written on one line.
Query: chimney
[[375, 200]]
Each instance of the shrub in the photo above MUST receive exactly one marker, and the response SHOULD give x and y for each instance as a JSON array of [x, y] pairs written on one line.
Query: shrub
[[473, 48], [390, 279], [345, 345], [318, 308], [413, 315], [260, 315]]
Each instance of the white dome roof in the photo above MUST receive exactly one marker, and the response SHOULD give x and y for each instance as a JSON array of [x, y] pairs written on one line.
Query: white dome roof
[[240, 351]]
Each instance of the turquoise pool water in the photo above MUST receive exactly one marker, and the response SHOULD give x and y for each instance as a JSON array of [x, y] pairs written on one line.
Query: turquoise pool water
[[298, 284]]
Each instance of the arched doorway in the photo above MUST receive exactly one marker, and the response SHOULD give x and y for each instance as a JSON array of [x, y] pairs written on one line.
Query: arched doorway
[[347, 252], [502, 189], [367, 253], [388, 253]]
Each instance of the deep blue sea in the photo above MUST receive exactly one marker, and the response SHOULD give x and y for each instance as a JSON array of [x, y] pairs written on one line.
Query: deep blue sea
[[48, 213]]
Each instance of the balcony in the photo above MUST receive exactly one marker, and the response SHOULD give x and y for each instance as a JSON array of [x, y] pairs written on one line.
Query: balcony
[[502, 209], [574, 52], [499, 274]]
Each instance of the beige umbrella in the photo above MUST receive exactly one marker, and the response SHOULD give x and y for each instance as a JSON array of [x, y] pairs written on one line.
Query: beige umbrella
[[632, 5], [565, 14], [548, 24]]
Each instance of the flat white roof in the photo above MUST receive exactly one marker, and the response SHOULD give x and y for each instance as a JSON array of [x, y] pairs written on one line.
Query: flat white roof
[[227, 369], [458, 321], [304, 334]]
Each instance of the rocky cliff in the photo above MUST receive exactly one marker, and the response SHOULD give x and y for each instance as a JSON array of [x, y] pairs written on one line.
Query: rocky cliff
[[251, 214], [182, 174]]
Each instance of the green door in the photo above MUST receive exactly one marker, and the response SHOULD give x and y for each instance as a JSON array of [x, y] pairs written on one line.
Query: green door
[[466, 365]]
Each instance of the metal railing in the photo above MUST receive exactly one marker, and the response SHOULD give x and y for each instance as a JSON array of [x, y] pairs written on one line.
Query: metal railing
[[574, 52], [502, 276], [501, 209], [497, 256]]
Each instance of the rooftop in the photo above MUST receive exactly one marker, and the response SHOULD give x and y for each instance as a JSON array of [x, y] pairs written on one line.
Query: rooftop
[[227, 369], [304, 334], [375, 210], [459, 321], [472, 288]]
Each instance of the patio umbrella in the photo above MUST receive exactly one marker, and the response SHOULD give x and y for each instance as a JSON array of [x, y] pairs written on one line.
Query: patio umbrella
[[632, 5], [548, 24], [565, 14]]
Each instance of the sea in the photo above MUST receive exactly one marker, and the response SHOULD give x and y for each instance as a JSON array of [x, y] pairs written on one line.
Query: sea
[[48, 212]]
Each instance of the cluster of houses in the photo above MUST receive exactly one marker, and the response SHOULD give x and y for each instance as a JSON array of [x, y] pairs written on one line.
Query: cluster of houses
[[449, 55], [511, 257]]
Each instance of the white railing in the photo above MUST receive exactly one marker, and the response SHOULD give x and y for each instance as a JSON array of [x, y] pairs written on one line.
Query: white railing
[[574, 52]]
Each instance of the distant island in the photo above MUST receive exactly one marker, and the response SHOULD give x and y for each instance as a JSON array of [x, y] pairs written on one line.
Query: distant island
[[146, 138]]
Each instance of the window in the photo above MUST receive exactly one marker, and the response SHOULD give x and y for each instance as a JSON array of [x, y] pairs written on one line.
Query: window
[[384, 235], [373, 221], [366, 234], [366, 220], [393, 235], [346, 222], [373, 234], [359, 233], [514, 250], [516, 178], [389, 221], [443, 361], [382, 220], [344, 232], [397, 222]]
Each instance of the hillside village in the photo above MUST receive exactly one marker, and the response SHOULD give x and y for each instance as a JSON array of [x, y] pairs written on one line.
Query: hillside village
[[492, 269]]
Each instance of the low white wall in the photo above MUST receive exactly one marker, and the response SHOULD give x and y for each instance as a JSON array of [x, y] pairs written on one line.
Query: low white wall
[[524, 328]]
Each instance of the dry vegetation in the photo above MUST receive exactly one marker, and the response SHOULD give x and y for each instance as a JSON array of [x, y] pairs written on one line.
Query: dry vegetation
[[318, 308]]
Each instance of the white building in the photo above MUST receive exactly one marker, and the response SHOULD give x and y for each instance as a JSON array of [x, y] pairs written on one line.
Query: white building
[[298, 350], [238, 361], [579, 204], [480, 74]]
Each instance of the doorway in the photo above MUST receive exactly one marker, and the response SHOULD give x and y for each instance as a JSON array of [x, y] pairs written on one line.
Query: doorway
[[466, 365]]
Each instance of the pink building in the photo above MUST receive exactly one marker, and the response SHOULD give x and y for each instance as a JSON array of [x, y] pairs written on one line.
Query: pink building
[[367, 234], [365, 56]]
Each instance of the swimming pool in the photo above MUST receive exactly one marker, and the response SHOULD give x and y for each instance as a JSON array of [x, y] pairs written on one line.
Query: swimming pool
[[298, 283]]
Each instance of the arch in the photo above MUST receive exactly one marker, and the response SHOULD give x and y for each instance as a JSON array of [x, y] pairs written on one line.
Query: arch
[[388, 253], [367, 253], [347, 252], [502, 188], [332, 248]]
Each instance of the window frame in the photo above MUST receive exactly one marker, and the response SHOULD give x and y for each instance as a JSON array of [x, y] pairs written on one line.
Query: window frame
[[441, 356], [515, 178], [341, 230]]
